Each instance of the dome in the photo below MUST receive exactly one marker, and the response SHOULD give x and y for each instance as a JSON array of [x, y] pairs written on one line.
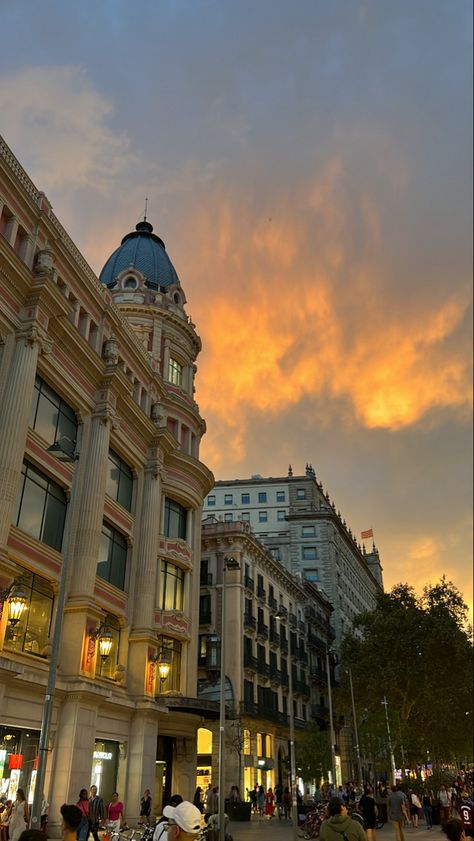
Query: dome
[[144, 251]]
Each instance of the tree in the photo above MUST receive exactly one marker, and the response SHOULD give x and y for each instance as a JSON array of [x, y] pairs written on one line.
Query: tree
[[313, 753], [417, 653]]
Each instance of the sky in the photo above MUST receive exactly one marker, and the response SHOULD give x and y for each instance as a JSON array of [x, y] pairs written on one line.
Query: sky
[[308, 164]]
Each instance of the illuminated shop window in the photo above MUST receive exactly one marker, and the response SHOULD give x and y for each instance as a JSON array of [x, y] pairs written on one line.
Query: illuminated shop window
[[31, 632]]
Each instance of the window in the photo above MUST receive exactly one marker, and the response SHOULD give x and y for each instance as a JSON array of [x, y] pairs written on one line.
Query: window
[[281, 515], [262, 497], [246, 740], [228, 499], [300, 493], [112, 557], [308, 531], [31, 633], [245, 499], [172, 648], [205, 609], [106, 667], [228, 517], [119, 480], [246, 517], [175, 519], [276, 553], [308, 553], [280, 496], [312, 574], [130, 283], [248, 692], [175, 372], [211, 499], [51, 417], [262, 516], [171, 587], [41, 507]]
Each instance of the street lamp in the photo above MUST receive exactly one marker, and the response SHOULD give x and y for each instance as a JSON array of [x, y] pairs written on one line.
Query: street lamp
[[392, 758], [331, 721], [65, 450], [356, 734], [163, 662], [17, 601], [294, 800], [228, 564]]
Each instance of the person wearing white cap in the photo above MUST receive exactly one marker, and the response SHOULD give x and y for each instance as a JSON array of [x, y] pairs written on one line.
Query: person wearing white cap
[[184, 821]]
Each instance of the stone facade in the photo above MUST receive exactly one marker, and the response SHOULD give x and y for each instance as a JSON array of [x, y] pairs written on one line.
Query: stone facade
[[79, 356]]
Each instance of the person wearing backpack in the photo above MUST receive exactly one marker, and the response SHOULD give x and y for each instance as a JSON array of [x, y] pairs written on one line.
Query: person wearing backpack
[[339, 825]]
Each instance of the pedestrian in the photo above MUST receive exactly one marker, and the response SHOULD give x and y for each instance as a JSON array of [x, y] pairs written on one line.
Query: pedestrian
[[96, 812], [465, 811], [253, 799], [427, 807], [368, 810], [286, 802], [415, 807], [212, 805], [44, 813], [145, 807], [84, 806], [5, 820], [269, 803], [19, 816], [444, 804], [197, 799], [161, 828], [234, 795], [454, 830], [397, 811], [71, 819], [184, 821], [115, 813], [339, 825], [260, 799], [278, 800]]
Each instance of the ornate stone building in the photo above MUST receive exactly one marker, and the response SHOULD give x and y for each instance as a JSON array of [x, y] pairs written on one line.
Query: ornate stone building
[[274, 622], [106, 367]]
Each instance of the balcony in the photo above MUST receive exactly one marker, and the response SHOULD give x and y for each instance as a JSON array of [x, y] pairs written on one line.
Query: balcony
[[301, 626], [263, 711], [205, 579], [284, 679], [319, 711], [283, 613], [263, 668], [205, 618], [272, 603], [302, 654], [292, 619], [283, 643], [300, 687], [319, 675], [249, 583], [261, 593], [262, 630], [275, 677], [310, 612], [274, 638], [250, 621]]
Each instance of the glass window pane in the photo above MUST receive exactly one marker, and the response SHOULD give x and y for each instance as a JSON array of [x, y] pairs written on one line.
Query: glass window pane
[[112, 479], [118, 561], [53, 523], [39, 620], [46, 419], [125, 491], [66, 427], [30, 516], [103, 566]]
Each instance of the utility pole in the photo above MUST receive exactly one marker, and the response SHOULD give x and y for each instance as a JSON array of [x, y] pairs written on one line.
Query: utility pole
[[356, 734], [392, 758]]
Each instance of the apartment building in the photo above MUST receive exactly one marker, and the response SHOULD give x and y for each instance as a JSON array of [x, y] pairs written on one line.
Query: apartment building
[[300, 526], [105, 367], [274, 621]]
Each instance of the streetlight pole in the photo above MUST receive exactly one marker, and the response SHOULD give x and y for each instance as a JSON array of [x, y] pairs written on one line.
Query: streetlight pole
[[228, 563], [356, 734], [65, 455], [291, 718], [331, 721], [392, 758]]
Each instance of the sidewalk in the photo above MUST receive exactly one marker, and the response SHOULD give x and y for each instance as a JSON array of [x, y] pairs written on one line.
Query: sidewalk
[[261, 829]]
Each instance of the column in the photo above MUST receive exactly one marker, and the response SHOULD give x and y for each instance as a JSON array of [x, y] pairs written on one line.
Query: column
[[15, 412], [141, 760], [166, 359]]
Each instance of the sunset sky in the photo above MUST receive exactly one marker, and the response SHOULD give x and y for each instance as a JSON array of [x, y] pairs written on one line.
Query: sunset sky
[[308, 165]]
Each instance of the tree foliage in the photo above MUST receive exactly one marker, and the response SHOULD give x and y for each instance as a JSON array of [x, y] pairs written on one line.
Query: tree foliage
[[313, 753], [417, 653]]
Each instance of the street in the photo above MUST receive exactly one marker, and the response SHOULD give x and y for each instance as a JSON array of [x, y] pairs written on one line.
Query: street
[[259, 829]]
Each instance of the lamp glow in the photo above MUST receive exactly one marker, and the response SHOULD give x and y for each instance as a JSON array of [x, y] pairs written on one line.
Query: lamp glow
[[105, 643], [17, 604]]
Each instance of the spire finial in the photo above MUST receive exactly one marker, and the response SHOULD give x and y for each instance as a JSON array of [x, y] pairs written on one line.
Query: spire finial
[[146, 208]]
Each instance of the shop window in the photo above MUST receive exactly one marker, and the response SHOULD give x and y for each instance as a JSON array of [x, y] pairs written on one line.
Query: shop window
[[171, 587], [31, 633], [246, 735], [172, 648], [41, 507], [175, 519], [51, 417], [105, 767], [106, 666], [112, 557], [175, 372], [204, 740], [119, 480]]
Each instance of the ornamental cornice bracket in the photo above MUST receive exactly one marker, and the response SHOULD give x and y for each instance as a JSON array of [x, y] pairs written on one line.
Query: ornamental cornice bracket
[[32, 334]]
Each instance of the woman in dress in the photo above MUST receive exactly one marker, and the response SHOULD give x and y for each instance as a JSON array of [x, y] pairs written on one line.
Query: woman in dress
[[115, 815], [19, 817], [269, 803], [84, 806]]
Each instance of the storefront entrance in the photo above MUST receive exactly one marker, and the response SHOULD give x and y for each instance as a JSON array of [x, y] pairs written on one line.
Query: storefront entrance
[[18, 761], [104, 768]]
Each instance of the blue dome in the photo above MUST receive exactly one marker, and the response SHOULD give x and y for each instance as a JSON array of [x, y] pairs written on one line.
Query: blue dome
[[144, 251]]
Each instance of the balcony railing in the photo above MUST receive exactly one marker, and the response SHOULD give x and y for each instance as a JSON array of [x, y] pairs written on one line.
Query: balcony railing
[[319, 711], [249, 583], [319, 675], [292, 618], [301, 626], [283, 643], [274, 638], [275, 676], [250, 662], [261, 592], [250, 621], [263, 668], [263, 711], [262, 630], [272, 602]]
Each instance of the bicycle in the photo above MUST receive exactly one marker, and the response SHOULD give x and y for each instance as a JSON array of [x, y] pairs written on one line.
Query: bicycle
[[312, 824]]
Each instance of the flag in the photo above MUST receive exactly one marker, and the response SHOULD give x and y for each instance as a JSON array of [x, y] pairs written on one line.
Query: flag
[[365, 534]]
